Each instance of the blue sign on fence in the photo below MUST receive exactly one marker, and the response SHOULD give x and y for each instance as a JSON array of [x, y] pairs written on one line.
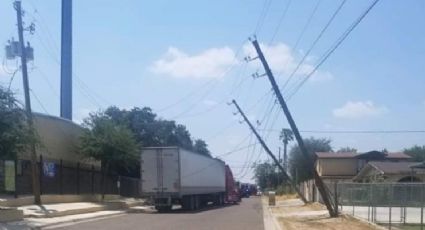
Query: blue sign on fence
[[49, 169]]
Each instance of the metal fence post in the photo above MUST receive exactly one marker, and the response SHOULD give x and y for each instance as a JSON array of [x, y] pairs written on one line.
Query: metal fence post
[[336, 196], [78, 177], [351, 198], [422, 206], [369, 203], [16, 178], [41, 174], [389, 204], [92, 179], [61, 176]]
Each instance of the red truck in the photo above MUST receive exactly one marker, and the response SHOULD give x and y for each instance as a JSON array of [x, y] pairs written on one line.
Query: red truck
[[232, 190]]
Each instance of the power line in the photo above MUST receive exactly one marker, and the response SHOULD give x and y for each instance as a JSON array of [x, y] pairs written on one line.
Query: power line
[[301, 35], [281, 19], [223, 101], [319, 36], [207, 92], [262, 16], [89, 93], [355, 131], [334, 47], [39, 102]]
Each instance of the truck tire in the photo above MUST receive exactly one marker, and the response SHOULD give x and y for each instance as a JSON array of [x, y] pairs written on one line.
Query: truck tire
[[221, 197], [162, 209], [187, 203], [197, 202]]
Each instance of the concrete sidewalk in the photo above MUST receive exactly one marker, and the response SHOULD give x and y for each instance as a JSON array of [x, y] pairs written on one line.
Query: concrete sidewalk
[[270, 222], [41, 216], [62, 209], [52, 222]]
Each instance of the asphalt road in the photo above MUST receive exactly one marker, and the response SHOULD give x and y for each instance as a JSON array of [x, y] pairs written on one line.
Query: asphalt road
[[247, 215]]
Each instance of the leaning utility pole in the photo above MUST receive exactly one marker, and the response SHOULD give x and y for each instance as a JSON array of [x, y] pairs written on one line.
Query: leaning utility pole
[[269, 152], [34, 170], [319, 183]]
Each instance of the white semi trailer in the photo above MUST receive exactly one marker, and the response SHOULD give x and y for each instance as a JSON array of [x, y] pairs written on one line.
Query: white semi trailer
[[172, 175]]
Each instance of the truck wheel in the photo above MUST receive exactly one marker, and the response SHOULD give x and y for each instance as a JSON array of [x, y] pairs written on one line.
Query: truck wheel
[[221, 197], [197, 202], [216, 200], [187, 203], [162, 209]]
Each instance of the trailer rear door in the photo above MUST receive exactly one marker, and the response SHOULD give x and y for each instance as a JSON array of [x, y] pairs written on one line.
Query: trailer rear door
[[160, 170]]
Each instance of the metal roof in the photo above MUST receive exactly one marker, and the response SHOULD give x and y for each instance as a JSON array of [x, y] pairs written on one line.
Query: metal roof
[[396, 155], [388, 167]]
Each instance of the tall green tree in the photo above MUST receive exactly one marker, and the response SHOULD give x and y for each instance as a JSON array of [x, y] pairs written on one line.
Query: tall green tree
[[15, 135], [266, 175], [347, 150], [201, 147], [286, 135], [416, 152], [109, 142], [153, 131], [300, 167]]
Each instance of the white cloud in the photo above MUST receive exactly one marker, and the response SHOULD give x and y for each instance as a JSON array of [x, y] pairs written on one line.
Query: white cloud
[[359, 109], [283, 61], [211, 63], [210, 102]]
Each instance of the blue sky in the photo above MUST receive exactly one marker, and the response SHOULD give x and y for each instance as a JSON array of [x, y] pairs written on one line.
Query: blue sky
[[155, 53]]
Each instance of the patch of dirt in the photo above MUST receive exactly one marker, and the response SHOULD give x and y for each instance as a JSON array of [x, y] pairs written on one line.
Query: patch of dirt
[[286, 197], [292, 214], [323, 223], [298, 208]]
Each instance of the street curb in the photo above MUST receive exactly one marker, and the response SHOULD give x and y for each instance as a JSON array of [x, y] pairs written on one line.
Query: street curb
[[75, 221], [148, 210], [269, 217]]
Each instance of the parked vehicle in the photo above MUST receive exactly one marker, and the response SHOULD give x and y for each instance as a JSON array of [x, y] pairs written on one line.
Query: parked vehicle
[[232, 189], [172, 175], [248, 190]]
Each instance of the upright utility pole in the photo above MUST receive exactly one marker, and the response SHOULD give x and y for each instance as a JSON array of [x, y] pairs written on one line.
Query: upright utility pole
[[34, 169], [280, 162], [269, 152], [319, 183], [66, 61]]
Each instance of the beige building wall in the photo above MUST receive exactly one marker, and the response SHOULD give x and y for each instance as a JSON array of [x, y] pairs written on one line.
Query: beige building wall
[[336, 167], [59, 139]]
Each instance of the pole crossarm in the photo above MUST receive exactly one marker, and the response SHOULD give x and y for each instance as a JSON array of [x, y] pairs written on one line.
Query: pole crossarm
[[269, 152], [319, 183]]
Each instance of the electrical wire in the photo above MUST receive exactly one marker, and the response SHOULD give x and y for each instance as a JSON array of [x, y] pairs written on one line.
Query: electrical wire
[[262, 16], [329, 52], [356, 131], [280, 22], [319, 36], [49, 48], [301, 35]]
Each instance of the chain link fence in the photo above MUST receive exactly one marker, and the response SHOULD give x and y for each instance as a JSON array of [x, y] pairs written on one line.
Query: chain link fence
[[389, 204]]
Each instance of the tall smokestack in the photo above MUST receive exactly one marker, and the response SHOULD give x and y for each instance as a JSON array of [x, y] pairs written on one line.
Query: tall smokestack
[[66, 60]]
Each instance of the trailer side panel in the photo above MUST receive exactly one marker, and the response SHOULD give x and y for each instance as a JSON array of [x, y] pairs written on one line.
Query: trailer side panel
[[201, 174]]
